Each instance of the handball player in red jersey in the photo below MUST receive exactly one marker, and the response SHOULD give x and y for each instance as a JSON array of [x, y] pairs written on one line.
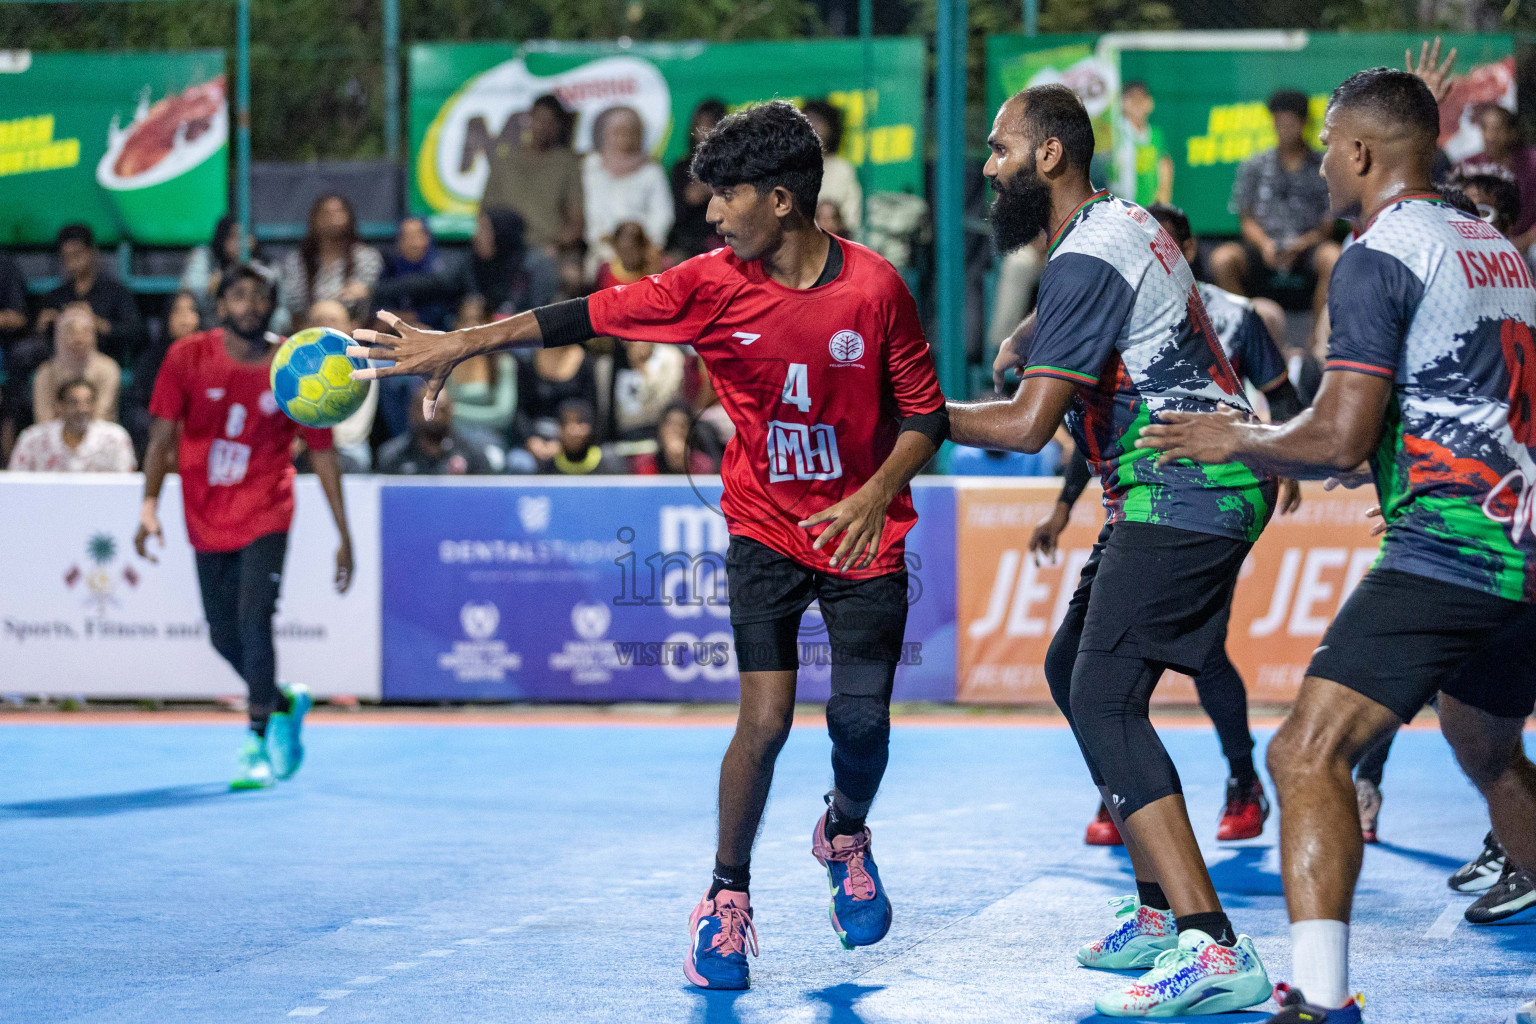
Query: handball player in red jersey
[[236, 465], [814, 346]]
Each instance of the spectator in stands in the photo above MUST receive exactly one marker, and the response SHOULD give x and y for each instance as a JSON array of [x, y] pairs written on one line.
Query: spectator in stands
[[119, 328], [414, 253], [621, 182], [649, 381], [350, 436], [534, 172], [839, 180], [634, 256], [76, 356], [436, 447], [182, 319], [576, 451], [207, 264], [1502, 145], [1143, 170], [484, 392], [547, 378], [675, 452], [499, 268], [1495, 193], [1283, 203], [692, 234], [330, 263], [78, 441], [18, 354]]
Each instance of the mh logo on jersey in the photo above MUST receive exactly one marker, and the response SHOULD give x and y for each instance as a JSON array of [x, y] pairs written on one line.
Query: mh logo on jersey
[[846, 347]]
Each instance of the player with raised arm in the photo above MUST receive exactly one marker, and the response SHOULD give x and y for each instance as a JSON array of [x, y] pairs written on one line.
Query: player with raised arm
[[1121, 337], [237, 476], [814, 347], [1255, 357], [1431, 375]]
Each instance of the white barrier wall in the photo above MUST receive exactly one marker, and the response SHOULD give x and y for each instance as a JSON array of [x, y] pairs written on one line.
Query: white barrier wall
[[81, 613]]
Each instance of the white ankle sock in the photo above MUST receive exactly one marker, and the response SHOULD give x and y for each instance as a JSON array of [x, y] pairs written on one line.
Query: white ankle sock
[[1320, 962]]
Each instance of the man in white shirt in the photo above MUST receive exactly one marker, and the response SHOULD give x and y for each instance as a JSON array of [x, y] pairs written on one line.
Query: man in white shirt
[[77, 442]]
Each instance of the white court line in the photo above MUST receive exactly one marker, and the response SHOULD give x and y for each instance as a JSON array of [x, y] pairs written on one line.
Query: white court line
[[334, 993], [365, 979], [1445, 924], [306, 1011], [438, 952]]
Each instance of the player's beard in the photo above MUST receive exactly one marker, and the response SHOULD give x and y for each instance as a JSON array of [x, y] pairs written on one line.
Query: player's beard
[[252, 328], [1021, 210]]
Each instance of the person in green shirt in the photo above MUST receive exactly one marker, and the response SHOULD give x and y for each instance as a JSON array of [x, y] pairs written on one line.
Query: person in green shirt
[[1143, 167]]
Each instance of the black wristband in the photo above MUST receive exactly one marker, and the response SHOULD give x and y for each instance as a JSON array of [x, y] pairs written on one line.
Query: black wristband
[[1075, 480], [565, 323], [932, 425]]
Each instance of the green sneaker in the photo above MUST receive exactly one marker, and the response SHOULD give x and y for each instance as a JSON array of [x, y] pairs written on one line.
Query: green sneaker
[[284, 731], [255, 766], [1198, 976], [1143, 935]]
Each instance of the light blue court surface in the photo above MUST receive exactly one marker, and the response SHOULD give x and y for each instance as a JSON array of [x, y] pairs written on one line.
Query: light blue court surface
[[545, 873]]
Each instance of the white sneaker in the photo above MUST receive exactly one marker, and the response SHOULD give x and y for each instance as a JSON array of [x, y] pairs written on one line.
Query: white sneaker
[[255, 766]]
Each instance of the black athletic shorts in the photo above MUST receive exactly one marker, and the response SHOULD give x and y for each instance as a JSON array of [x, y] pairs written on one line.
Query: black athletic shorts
[[1401, 637], [866, 619], [1157, 592]]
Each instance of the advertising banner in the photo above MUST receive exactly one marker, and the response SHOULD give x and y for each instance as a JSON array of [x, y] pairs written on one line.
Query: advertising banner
[[573, 590], [466, 98], [1208, 94], [82, 614], [134, 144], [1300, 571]]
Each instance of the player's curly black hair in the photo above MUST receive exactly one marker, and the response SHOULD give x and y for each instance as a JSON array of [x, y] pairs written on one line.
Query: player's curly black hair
[[1396, 98], [765, 146]]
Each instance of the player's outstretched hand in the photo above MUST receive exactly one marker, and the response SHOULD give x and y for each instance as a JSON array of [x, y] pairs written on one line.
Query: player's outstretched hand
[[414, 353], [860, 518], [344, 566], [1380, 526], [149, 526], [1042, 542], [1351, 480], [1208, 437], [1289, 499], [1435, 73]]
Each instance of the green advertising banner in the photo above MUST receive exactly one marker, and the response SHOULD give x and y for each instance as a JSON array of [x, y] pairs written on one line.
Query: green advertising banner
[[465, 97], [1208, 94], [134, 144]]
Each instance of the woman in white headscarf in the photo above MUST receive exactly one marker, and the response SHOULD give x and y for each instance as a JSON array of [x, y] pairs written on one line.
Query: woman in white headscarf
[[622, 182]]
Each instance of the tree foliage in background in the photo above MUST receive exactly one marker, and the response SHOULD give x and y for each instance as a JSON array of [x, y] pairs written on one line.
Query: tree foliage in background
[[316, 68]]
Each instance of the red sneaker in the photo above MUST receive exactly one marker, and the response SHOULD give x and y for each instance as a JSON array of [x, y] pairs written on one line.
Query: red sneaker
[[1102, 830], [1247, 810]]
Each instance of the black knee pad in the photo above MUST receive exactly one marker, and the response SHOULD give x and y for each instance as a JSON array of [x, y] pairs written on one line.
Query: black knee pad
[[1110, 698], [859, 722]]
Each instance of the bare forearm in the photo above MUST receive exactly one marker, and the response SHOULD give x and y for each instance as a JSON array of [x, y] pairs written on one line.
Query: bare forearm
[[328, 468], [1001, 425], [157, 456], [520, 331], [1302, 448], [911, 454], [1254, 234]]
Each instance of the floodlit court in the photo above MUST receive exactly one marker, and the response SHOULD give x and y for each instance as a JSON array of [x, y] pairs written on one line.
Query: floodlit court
[[536, 867]]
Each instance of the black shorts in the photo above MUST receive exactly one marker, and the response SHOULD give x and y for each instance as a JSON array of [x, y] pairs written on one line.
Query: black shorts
[[866, 619], [1157, 592], [1261, 280], [1401, 637]]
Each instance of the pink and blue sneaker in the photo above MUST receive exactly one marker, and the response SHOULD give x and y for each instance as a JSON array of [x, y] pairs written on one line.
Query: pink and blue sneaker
[[1199, 975], [1296, 1010], [860, 911], [721, 934]]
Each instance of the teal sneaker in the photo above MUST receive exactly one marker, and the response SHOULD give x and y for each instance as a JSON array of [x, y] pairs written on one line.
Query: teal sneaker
[[255, 766], [1198, 976], [1144, 934], [284, 731]]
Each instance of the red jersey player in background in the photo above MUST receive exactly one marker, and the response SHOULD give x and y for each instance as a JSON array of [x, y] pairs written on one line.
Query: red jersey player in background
[[814, 346], [236, 465]]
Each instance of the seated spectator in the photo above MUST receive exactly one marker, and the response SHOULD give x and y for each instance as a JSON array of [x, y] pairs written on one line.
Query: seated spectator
[[207, 264], [675, 453], [75, 356], [77, 442], [830, 219], [330, 263], [415, 252], [576, 453], [691, 233], [499, 268], [839, 180], [1502, 146], [351, 435], [1494, 192], [436, 447], [634, 257], [621, 182], [650, 380], [181, 320], [546, 379], [537, 175], [484, 391], [119, 328], [1282, 201], [19, 355]]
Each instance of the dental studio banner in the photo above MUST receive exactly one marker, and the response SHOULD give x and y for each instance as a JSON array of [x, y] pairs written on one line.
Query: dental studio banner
[[467, 98], [134, 144], [567, 590], [1209, 90]]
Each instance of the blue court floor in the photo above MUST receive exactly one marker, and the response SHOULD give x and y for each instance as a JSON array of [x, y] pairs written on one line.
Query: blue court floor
[[532, 873]]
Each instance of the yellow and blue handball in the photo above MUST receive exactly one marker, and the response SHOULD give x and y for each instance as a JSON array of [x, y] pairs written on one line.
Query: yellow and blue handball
[[311, 378]]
